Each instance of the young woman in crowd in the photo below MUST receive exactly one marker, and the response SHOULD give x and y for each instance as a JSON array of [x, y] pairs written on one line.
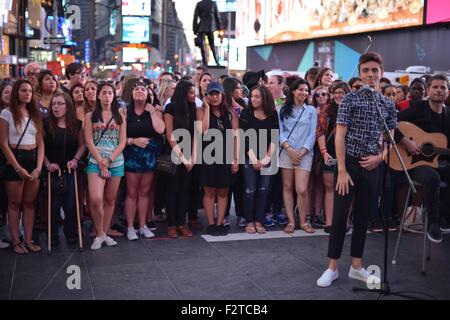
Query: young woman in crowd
[[203, 83], [324, 78], [105, 135], [260, 116], [402, 92], [355, 84], [390, 92], [144, 126], [298, 122], [77, 96], [90, 96], [216, 177], [326, 126], [166, 91], [23, 146], [320, 100], [45, 89], [276, 86], [64, 146], [5, 94], [180, 114]]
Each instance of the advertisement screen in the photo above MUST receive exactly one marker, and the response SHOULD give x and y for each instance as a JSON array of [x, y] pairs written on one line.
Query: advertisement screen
[[271, 21], [136, 29], [133, 55], [438, 11], [226, 5], [136, 7]]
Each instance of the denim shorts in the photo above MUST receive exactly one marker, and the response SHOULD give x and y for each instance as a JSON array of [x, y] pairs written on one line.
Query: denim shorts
[[285, 162], [115, 172], [140, 160]]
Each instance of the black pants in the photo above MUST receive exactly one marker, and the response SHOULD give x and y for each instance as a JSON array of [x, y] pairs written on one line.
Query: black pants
[[177, 197], [194, 195], [67, 202], [275, 203], [235, 191], [365, 186], [210, 36], [430, 179]]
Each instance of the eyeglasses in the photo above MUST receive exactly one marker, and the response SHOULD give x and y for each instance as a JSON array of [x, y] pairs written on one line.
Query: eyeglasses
[[339, 92], [323, 94], [357, 86], [32, 74], [58, 103]]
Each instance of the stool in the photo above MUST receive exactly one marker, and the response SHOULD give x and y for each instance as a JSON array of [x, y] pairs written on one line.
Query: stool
[[424, 223]]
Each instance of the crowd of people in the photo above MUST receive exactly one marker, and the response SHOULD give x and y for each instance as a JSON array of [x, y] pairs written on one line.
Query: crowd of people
[[111, 135]]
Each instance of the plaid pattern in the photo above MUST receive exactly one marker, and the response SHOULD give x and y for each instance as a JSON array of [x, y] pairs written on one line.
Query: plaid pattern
[[358, 112]]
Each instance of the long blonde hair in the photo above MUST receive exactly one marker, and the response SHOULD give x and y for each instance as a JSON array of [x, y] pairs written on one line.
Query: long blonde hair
[[162, 92]]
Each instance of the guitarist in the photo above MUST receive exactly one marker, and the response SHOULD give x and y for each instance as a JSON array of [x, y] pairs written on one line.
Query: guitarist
[[434, 117]]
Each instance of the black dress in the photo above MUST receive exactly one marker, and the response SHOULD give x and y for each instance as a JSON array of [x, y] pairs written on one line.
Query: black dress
[[217, 175]]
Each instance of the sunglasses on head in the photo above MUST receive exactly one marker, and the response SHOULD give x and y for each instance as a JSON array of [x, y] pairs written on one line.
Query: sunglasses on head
[[323, 94]]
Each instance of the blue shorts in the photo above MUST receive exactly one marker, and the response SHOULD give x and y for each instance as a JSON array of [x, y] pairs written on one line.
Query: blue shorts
[[115, 172], [140, 160]]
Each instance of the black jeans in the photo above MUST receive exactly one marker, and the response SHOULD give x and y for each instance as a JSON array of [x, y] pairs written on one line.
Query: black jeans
[[364, 189], [210, 36], [255, 194], [235, 191], [275, 203], [177, 197], [430, 179], [67, 202]]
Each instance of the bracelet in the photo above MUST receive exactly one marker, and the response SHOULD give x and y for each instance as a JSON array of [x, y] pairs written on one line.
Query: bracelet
[[323, 151], [75, 158], [130, 141], [18, 169]]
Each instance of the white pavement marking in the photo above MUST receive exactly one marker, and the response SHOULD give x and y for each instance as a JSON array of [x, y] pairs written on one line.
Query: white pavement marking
[[269, 235]]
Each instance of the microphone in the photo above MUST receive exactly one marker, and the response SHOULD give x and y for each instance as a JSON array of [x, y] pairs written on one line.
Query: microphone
[[368, 89]]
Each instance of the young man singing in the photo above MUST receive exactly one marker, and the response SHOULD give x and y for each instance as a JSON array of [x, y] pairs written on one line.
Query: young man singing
[[359, 153]]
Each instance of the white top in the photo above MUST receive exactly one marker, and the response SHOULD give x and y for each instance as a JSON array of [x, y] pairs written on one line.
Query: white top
[[13, 135], [198, 102]]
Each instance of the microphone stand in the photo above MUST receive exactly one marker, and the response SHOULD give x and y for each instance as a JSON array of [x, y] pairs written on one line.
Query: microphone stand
[[385, 289]]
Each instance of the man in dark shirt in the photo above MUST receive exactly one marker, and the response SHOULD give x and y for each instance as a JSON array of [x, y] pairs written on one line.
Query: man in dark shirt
[[207, 12], [359, 153], [431, 116]]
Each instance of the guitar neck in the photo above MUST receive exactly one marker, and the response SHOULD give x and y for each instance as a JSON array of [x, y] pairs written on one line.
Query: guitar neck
[[442, 151]]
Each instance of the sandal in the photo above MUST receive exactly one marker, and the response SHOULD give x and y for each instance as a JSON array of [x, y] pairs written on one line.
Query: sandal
[[261, 229], [307, 228], [290, 228], [250, 229], [33, 247], [114, 233], [19, 248]]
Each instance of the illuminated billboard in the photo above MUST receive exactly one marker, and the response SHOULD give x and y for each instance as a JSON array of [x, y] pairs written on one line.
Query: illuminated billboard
[[271, 21], [136, 7], [133, 55], [438, 11], [136, 29]]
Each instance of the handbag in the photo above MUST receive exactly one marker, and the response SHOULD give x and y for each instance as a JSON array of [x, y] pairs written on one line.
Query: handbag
[[164, 163]]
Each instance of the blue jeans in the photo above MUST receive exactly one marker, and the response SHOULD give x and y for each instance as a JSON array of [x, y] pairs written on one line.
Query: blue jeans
[[67, 202], [256, 192]]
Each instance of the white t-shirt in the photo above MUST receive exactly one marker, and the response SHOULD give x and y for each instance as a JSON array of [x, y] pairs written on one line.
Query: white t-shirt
[[13, 135]]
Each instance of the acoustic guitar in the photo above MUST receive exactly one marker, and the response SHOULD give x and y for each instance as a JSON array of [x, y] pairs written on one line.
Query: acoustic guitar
[[431, 146]]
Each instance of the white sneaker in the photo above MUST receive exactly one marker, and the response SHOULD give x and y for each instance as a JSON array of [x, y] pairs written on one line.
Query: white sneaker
[[146, 232], [131, 234], [327, 278], [97, 243], [361, 274], [110, 242], [3, 245], [226, 222]]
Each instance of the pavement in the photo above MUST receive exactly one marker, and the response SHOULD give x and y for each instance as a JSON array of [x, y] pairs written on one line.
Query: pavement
[[274, 266]]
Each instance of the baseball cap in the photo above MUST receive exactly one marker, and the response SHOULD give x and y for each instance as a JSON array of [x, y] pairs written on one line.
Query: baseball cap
[[214, 86]]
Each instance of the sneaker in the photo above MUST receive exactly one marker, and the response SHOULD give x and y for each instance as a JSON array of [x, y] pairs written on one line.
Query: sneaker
[[280, 219], [377, 227], [226, 222], [222, 230], [268, 221], [360, 274], [318, 222], [327, 278], [131, 234], [3, 245], [145, 232], [445, 225], [110, 242], [242, 223], [97, 243], [212, 230], [327, 229], [151, 225], [434, 233]]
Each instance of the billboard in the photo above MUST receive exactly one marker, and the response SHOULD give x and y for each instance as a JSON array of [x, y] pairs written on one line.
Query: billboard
[[271, 21], [438, 11], [133, 55], [136, 29], [136, 7], [226, 5]]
